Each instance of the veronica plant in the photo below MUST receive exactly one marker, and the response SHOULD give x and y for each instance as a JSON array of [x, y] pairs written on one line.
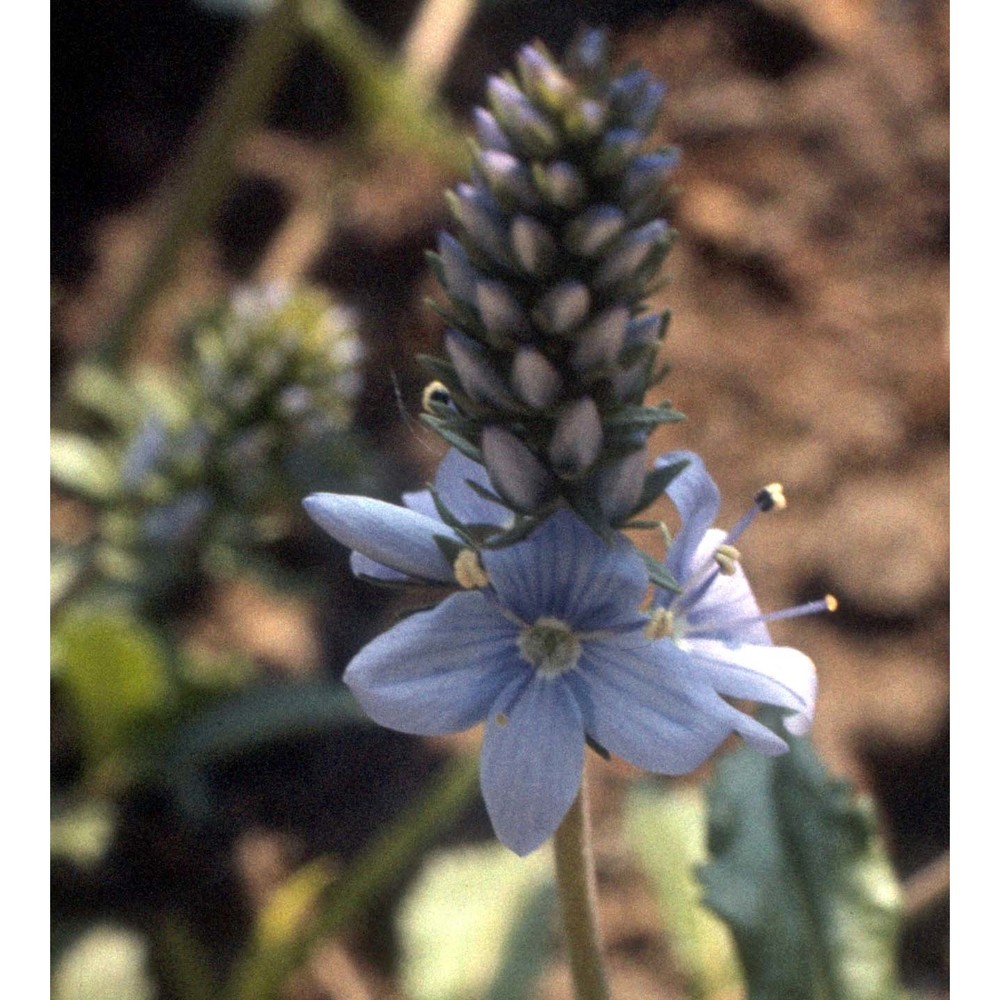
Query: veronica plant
[[547, 635]]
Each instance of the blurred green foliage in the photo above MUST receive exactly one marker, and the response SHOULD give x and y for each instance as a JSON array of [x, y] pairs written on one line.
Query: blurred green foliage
[[477, 923], [667, 829], [204, 467]]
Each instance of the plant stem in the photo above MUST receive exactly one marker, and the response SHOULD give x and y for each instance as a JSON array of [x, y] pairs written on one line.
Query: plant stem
[[578, 899], [206, 167]]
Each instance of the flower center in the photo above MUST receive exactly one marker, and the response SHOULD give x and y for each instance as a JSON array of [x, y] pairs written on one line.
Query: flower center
[[550, 646]]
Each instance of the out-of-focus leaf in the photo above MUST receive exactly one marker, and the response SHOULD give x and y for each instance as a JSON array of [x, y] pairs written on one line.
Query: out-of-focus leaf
[[252, 719], [668, 830], [367, 879], [114, 672], [66, 567], [106, 962], [81, 832], [101, 391], [184, 963], [82, 466], [801, 876], [462, 919], [261, 970]]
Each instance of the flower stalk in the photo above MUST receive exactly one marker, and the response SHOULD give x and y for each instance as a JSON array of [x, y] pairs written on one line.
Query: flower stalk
[[578, 900]]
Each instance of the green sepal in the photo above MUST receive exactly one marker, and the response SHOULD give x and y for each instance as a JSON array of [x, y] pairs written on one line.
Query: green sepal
[[445, 514], [485, 493], [461, 316], [657, 481], [592, 515], [601, 751], [658, 574], [467, 448], [636, 417], [435, 263], [517, 532], [449, 548]]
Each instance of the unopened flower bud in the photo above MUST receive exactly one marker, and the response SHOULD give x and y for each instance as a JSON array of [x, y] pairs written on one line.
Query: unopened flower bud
[[518, 476], [577, 439]]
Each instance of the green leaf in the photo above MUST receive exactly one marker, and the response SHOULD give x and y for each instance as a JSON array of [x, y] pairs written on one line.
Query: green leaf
[[266, 713], [369, 877], [801, 876], [82, 466], [67, 566], [99, 390], [475, 925], [115, 674], [262, 968], [668, 828]]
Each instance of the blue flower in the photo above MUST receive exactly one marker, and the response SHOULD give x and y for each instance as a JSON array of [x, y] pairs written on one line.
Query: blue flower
[[548, 644], [551, 649], [714, 621], [396, 544]]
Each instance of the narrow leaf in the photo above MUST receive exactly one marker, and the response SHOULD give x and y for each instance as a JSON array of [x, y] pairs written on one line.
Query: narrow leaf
[[82, 466]]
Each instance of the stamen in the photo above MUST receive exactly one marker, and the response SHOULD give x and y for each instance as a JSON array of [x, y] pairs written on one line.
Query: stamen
[[771, 497], [660, 625], [434, 393], [727, 557], [469, 572], [828, 603]]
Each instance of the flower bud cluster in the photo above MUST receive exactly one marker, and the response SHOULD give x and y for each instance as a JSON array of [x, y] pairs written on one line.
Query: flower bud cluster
[[277, 355], [558, 237], [262, 402]]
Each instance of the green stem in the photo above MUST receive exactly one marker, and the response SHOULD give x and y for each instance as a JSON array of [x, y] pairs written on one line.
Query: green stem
[[261, 973], [207, 165], [395, 107], [578, 898]]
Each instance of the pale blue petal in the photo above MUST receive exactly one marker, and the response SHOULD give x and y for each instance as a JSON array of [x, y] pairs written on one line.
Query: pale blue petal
[[394, 536], [649, 706], [773, 675], [469, 507], [726, 608], [423, 503], [361, 565], [565, 571], [532, 763], [697, 499], [437, 671]]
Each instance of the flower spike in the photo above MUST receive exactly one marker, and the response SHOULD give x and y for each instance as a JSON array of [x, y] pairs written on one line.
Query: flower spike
[[558, 238]]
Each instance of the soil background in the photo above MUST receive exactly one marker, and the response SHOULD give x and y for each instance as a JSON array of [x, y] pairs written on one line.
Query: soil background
[[809, 345]]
